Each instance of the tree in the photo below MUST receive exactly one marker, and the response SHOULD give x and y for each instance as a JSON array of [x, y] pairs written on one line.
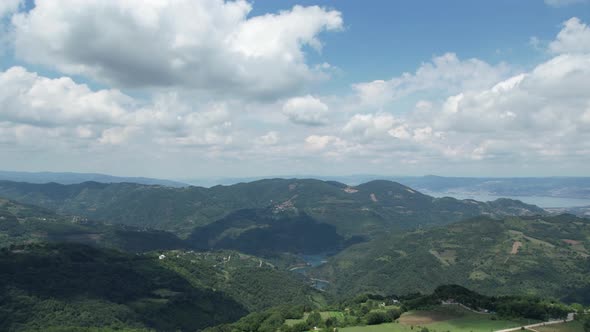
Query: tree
[[375, 317], [314, 319]]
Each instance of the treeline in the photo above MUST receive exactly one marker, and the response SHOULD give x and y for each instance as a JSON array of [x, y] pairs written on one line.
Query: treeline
[[370, 309], [68, 286], [503, 306]]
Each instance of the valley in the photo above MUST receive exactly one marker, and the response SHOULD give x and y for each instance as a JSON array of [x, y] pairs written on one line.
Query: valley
[[271, 260]]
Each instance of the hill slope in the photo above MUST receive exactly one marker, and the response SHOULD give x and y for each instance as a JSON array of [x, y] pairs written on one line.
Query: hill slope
[[546, 256], [21, 223], [72, 178], [365, 209], [75, 286]]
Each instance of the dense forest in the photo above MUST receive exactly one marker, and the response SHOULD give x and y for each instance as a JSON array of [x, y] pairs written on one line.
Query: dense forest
[[365, 209], [545, 256]]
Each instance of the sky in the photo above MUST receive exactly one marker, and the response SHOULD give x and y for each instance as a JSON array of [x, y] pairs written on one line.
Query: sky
[[212, 88]]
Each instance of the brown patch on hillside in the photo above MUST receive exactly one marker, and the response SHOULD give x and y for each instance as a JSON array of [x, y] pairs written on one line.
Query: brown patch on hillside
[[373, 197], [426, 317], [571, 242], [515, 246]]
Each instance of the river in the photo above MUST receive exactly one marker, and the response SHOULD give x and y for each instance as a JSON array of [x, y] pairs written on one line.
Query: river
[[314, 261]]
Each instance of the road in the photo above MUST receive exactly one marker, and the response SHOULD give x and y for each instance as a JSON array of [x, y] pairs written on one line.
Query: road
[[569, 318]]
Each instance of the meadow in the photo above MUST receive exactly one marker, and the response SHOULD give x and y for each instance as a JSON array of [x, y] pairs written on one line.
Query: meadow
[[442, 319]]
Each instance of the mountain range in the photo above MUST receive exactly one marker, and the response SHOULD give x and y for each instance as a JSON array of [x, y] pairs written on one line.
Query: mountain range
[[362, 210], [187, 258]]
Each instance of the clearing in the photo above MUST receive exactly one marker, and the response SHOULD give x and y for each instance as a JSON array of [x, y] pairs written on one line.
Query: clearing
[[515, 246], [456, 319], [374, 198]]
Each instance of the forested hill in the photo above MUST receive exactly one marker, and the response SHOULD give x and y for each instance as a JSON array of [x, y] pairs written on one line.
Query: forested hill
[[21, 223], [364, 209], [72, 287], [546, 256]]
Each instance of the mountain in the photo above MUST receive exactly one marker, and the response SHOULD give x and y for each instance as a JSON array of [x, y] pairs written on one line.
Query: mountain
[[264, 232], [366, 209], [21, 223], [564, 187], [73, 178], [72, 287], [547, 256], [249, 280]]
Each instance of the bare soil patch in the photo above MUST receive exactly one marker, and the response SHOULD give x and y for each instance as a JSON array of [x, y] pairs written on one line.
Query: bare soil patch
[[426, 317], [374, 198], [515, 246], [571, 242]]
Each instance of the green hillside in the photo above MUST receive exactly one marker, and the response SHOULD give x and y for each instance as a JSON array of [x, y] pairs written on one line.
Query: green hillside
[[365, 209], [265, 232], [20, 223], [76, 286], [60, 286], [248, 279], [546, 256]]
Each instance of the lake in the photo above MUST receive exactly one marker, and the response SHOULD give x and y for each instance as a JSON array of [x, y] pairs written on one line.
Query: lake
[[541, 201]]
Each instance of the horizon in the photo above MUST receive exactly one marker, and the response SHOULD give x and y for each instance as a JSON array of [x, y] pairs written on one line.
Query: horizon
[[248, 89], [289, 176]]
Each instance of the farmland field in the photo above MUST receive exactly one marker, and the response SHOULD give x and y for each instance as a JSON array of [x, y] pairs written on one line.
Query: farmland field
[[443, 319]]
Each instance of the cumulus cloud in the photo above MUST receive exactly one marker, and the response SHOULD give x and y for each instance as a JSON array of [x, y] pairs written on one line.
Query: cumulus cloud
[[306, 110], [60, 108], [369, 126], [551, 98], [8, 7], [270, 138], [537, 115], [211, 45], [465, 110], [574, 37], [446, 73], [32, 99], [541, 115]]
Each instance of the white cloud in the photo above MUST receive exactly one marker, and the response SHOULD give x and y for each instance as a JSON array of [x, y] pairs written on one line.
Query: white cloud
[[210, 45], [539, 116], [550, 98], [26, 97], [446, 73], [330, 146], [270, 138], [369, 126], [8, 7], [306, 110], [62, 109], [574, 37]]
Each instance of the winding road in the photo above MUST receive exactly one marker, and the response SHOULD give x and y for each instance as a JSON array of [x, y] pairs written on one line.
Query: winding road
[[569, 318]]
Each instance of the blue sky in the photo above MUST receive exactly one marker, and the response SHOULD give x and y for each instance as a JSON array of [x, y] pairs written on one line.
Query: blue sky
[[387, 38], [236, 88]]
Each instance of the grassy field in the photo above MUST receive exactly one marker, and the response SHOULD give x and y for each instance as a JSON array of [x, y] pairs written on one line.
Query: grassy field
[[574, 326], [388, 327], [442, 319]]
